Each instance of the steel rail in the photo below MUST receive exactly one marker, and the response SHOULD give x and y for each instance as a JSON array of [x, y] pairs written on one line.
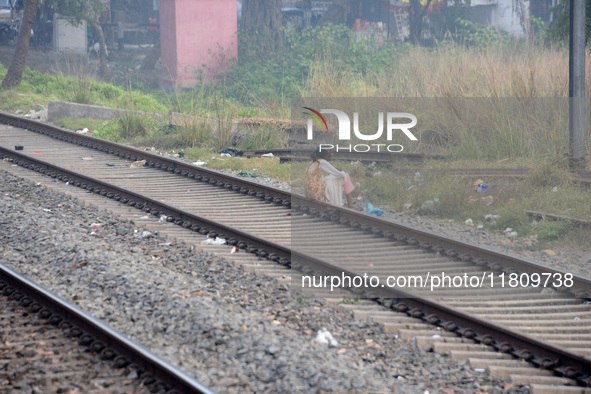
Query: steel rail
[[541, 353], [478, 255], [304, 154], [546, 355], [168, 164], [111, 340], [450, 247], [252, 243]]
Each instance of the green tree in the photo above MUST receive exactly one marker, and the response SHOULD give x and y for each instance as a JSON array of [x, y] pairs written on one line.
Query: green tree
[[559, 30], [89, 10], [17, 66]]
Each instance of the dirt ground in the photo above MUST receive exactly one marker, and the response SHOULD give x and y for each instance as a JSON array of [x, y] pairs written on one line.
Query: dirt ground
[[123, 66]]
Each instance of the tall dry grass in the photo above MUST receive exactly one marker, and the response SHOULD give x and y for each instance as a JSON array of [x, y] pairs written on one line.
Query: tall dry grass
[[451, 71], [477, 104]]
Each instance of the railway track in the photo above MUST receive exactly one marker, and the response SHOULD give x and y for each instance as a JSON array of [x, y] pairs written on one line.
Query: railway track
[[296, 154], [299, 154], [49, 345], [548, 328]]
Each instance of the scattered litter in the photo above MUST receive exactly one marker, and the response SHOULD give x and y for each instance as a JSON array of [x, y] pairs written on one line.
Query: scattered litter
[[576, 318], [481, 187], [145, 217], [163, 218], [372, 166], [110, 164], [360, 197], [480, 227], [95, 225], [37, 152], [200, 163], [555, 189], [228, 152], [268, 155], [138, 164], [234, 250], [46, 210], [371, 209], [165, 244], [509, 233], [588, 302], [18, 147], [436, 336], [216, 241], [407, 206], [410, 187], [325, 338], [377, 173], [38, 184], [354, 163], [490, 218], [93, 233], [87, 158], [549, 252], [469, 222], [479, 369], [249, 174], [83, 131], [145, 234]]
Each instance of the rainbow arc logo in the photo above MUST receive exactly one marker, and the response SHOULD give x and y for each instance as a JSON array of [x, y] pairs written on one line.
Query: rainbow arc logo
[[315, 115]]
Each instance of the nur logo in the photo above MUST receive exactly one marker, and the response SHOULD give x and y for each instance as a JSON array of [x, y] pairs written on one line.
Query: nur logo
[[344, 130]]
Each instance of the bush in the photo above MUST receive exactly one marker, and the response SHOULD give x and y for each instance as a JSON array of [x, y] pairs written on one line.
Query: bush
[[195, 132], [548, 230], [131, 125]]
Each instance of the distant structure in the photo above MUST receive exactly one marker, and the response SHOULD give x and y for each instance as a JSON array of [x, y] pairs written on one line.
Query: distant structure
[[388, 19], [511, 16], [196, 37]]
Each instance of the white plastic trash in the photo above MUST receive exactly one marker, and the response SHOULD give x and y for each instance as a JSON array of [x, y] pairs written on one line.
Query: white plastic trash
[[325, 338], [216, 241]]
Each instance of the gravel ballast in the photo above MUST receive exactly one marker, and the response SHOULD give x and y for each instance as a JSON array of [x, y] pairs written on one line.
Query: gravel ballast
[[231, 330]]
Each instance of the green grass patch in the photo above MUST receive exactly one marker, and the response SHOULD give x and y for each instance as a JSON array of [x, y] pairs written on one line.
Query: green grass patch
[[44, 87]]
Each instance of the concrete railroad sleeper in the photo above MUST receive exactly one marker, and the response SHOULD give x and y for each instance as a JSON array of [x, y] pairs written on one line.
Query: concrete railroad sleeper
[[451, 313]]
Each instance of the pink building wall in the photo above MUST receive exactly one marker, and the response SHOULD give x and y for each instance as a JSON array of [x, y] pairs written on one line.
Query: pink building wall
[[196, 35]]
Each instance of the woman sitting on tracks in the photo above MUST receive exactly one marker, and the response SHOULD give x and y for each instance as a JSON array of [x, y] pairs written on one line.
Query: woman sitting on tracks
[[323, 182]]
